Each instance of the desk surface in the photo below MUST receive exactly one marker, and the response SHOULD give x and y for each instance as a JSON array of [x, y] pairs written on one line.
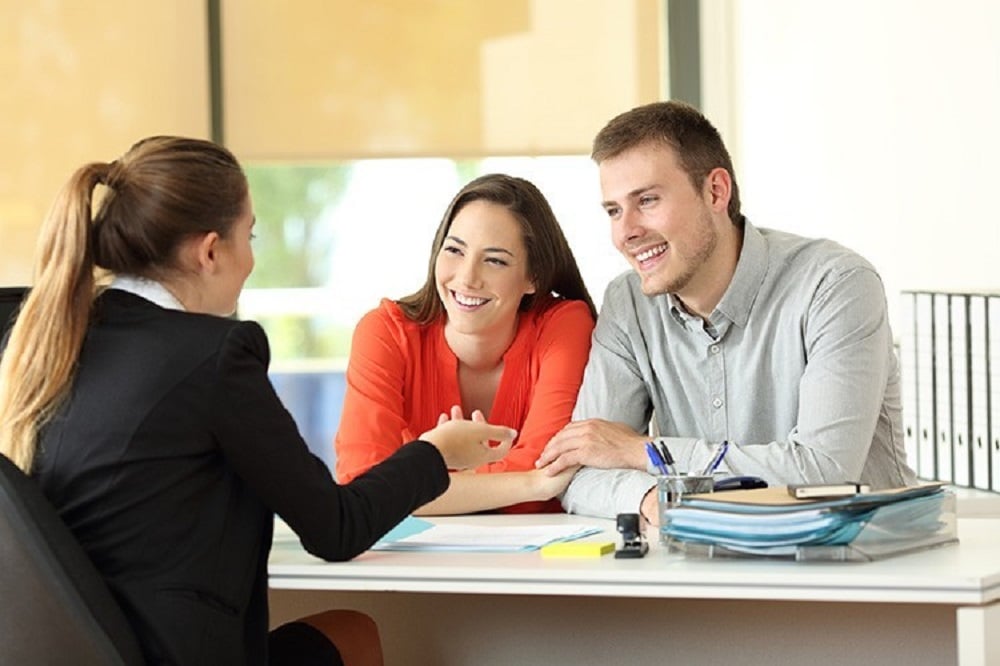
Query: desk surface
[[976, 503], [963, 573]]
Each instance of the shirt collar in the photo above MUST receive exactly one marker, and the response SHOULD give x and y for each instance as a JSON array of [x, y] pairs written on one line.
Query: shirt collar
[[738, 300], [151, 290], [751, 269]]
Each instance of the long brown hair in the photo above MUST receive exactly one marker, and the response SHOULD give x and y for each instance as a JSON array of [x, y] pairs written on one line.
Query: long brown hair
[[163, 190], [551, 265]]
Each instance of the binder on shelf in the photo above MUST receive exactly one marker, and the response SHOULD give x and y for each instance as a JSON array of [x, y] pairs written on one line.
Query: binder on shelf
[[942, 388], [979, 397], [960, 411], [908, 377], [988, 457], [926, 428]]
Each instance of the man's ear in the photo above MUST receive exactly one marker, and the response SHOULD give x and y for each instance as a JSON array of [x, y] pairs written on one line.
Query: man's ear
[[718, 189], [206, 252]]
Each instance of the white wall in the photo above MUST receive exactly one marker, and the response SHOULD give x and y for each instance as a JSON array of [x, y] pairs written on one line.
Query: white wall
[[869, 122]]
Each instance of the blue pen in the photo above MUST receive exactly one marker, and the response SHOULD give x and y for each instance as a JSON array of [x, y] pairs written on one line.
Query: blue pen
[[716, 460], [654, 457]]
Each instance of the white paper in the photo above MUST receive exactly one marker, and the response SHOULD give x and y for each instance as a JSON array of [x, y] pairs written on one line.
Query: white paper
[[471, 537]]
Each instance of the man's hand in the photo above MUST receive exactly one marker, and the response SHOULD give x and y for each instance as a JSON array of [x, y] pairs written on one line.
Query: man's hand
[[594, 443]]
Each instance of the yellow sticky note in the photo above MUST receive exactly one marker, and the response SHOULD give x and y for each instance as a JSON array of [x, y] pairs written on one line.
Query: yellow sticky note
[[578, 549]]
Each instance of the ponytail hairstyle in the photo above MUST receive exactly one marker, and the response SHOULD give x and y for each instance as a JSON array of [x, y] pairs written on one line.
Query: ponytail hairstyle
[[551, 265], [161, 192]]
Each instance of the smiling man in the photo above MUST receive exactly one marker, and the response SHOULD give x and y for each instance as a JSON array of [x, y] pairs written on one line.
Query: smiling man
[[723, 332]]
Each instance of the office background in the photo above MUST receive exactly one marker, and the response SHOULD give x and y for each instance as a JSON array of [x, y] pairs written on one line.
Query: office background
[[871, 123]]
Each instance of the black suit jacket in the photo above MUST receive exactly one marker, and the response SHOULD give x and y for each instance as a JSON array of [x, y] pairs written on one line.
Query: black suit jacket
[[168, 460]]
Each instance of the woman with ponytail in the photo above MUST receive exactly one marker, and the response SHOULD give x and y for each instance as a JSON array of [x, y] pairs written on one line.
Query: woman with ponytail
[[147, 417], [501, 327]]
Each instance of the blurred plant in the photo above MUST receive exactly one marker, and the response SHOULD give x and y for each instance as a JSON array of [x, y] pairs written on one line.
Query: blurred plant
[[294, 245]]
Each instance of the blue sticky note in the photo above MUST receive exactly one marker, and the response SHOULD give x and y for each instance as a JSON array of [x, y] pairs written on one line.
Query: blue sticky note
[[407, 527]]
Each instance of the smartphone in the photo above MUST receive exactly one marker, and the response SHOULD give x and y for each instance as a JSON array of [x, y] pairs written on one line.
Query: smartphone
[[826, 490]]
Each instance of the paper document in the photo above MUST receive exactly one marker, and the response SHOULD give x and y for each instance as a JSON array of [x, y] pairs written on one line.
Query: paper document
[[778, 529], [416, 534]]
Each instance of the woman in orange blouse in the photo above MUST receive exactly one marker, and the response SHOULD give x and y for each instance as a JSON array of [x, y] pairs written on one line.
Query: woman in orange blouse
[[500, 330]]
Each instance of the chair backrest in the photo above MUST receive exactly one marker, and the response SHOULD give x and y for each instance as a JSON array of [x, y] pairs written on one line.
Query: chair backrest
[[57, 608], [10, 301]]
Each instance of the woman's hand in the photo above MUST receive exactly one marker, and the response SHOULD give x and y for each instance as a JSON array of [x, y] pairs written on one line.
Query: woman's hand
[[547, 486], [465, 444]]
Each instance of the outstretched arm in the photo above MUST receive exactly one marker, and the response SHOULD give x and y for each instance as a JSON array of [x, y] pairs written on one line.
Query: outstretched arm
[[469, 492]]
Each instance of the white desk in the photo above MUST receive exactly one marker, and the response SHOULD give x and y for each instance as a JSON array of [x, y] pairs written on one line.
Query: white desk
[[940, 606], [975, 503]]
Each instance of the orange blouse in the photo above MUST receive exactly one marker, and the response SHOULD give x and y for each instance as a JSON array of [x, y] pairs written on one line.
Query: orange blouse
[[401, 376]]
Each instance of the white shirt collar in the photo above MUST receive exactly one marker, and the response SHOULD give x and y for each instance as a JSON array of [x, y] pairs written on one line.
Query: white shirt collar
[[151, 290]]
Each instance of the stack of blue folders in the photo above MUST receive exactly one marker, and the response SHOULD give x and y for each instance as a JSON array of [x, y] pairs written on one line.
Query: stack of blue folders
[[769, 522]]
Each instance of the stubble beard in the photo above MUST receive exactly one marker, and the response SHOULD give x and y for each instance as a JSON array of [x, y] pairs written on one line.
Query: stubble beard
[[688, 262]]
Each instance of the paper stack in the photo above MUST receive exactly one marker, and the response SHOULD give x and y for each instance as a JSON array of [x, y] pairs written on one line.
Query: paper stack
[[769, 522]]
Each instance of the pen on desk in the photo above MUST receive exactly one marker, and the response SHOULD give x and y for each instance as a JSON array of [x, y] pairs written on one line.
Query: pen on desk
[[667, 458], [716, 460], [654, 457]]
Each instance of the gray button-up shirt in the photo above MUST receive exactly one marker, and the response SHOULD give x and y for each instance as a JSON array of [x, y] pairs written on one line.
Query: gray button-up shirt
[[795, 368]]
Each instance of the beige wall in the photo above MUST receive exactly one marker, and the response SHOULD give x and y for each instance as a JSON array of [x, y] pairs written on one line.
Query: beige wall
[[433, 77], [82, 81], [310, 79]]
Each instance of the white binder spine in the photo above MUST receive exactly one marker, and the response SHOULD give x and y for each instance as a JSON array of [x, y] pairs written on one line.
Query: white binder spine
[[979, 398], [942, 388], [926, 428], [960, 413], [989, 456]]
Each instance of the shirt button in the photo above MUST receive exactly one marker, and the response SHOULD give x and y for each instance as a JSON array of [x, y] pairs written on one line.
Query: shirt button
[[714, 349], [717, 402]]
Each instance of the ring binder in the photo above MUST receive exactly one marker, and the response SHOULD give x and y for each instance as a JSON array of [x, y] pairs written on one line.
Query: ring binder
[[950, 376]]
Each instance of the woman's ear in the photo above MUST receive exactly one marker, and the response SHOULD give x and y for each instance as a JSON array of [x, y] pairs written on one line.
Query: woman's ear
[[206, 252]]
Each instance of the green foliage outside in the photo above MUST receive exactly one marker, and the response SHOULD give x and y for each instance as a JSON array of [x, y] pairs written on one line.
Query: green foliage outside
[[294, 244], [292, 249]]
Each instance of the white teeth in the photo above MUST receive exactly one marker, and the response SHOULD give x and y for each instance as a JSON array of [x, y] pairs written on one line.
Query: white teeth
[[650, 253], [468, 300]]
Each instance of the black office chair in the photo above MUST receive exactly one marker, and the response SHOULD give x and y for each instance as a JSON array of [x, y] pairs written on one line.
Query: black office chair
[[10, 302], [56, 607]]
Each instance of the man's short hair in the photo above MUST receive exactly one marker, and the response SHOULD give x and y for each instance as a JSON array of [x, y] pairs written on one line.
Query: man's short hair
[[695, 141]]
